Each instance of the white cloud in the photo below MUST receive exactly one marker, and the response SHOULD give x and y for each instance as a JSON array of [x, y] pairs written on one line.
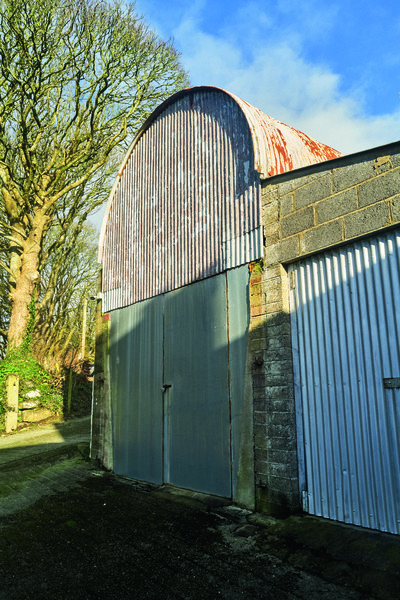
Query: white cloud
[[260, 57], [277, 79]]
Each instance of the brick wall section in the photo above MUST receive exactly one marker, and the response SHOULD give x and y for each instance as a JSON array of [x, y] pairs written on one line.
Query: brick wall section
[[304, 212]]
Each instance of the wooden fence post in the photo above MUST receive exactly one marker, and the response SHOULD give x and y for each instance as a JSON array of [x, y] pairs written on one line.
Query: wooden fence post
[[12, 389]]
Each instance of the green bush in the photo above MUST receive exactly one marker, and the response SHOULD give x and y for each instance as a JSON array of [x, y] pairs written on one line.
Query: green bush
[[32, 376]]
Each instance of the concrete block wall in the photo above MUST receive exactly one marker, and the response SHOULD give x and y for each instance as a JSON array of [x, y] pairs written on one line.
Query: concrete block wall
[[304, 212], [331, 203], [275, 453]]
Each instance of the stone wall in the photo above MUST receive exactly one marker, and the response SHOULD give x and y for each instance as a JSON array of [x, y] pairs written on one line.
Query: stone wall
[[304, 212]]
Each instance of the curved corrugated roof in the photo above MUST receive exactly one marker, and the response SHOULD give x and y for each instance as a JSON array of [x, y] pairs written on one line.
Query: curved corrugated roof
[[278, 148]]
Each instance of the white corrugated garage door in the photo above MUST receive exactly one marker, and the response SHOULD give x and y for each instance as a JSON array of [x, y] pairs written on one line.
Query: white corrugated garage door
[[345, 308]]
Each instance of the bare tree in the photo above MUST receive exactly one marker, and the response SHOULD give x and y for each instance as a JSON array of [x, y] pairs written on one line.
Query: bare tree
[[77, 78], [67, 281]]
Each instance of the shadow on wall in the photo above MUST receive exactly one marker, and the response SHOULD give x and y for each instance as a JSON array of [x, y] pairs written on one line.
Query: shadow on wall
[[346, 331]]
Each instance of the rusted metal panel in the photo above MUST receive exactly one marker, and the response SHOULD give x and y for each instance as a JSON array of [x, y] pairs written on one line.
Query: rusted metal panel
[[186, 203], [346, 345], [279, 148]]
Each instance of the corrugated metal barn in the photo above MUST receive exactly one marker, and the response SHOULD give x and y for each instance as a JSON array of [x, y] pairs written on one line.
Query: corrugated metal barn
[[249, 329], [181, 237]]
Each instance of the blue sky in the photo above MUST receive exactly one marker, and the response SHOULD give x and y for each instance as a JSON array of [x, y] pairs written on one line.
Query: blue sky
[[330, 69]]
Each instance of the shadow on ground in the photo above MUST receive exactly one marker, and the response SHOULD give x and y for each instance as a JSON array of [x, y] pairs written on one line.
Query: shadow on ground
[[43, 438], [110, 538], [69, 530]]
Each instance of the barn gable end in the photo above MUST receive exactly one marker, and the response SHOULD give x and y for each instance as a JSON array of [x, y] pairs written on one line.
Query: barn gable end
[[180, 381], [186, 204]]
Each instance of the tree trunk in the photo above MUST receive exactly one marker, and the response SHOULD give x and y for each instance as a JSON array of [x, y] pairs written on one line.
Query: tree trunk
[[25, 279]]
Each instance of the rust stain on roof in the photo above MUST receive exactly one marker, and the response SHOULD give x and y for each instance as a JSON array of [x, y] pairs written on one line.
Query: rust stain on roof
[[278, 147], [272, 147]]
